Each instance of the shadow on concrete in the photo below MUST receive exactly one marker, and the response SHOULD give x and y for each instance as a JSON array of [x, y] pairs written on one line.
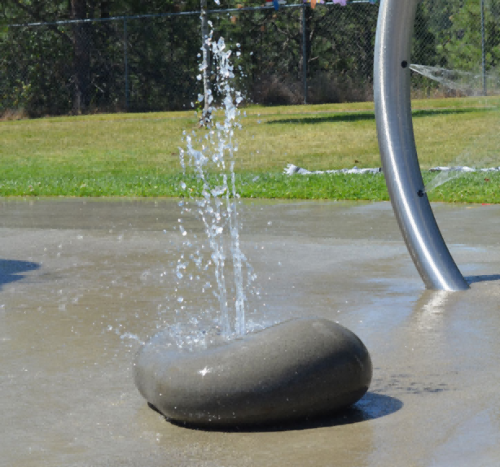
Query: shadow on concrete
[[11, 269], [365, 116], [369, 407], [483, 278]]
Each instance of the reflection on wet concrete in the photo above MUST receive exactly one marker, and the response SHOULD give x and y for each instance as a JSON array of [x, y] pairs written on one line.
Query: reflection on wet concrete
[[83, 282]]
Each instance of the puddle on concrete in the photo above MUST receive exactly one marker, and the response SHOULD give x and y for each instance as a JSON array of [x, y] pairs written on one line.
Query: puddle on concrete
[[79, 276]]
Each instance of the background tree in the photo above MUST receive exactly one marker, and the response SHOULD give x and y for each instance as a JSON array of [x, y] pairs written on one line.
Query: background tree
[[80, 67], [152, 63], [82, 41], [464, 48]]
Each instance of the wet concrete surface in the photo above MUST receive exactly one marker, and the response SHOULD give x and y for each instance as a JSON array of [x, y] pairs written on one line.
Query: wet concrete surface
[[78, 278]]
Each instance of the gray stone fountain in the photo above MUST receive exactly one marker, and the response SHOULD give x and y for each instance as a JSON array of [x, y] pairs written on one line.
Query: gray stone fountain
[[305, 368], [295, 370]]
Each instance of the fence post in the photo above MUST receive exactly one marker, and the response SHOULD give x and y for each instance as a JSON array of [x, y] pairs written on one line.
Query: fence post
[[483, 49], [125, 53], [304, 52], [205, 118]]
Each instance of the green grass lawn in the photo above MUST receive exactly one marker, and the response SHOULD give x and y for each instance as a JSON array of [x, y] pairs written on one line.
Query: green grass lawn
[[137, 154]]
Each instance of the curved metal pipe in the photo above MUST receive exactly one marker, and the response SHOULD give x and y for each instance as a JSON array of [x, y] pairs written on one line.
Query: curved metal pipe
[[398, 152]]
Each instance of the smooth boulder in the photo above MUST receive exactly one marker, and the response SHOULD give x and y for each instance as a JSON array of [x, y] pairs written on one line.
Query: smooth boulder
[[294, 370]]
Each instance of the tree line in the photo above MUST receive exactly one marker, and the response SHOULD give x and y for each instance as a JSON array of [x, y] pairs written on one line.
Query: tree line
[[153, 63]]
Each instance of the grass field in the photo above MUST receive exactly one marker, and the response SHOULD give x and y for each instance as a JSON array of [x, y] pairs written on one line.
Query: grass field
[[137, 154]]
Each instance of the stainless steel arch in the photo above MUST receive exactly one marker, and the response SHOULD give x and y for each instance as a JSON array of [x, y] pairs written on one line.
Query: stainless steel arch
[[398, 152]]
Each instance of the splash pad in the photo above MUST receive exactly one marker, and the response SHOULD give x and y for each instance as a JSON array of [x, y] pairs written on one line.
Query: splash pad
[[67, 390], [227, 373], [288, 371]]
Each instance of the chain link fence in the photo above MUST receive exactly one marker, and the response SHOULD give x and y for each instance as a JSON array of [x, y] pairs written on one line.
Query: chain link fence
[[457, 47], [290, 56]]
